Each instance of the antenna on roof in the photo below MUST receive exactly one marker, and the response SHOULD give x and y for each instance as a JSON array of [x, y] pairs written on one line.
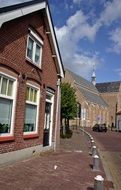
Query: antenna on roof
[[93, 78]]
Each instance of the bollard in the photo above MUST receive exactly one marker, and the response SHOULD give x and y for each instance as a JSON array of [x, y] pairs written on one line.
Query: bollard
[[91, 139], [94, 151], [92, 143], [98, 183], [96, 163]]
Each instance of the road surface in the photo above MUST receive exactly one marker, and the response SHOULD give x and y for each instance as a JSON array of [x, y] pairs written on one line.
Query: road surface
[[109, 146]]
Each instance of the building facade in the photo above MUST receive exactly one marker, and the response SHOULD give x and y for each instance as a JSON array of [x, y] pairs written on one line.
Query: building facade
[[30, 74], [91, 107], [118, 120], [111, 93]]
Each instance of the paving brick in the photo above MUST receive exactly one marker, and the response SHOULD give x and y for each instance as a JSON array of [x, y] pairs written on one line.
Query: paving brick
[[67, 169]]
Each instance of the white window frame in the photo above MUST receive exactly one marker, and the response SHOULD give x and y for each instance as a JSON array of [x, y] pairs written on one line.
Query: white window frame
[[83, 113], [13, 98], [33, 103], [52, 112], [37, 40]]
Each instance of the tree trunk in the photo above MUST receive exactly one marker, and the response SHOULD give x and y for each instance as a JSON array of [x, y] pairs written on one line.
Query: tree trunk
[[64, 127], [67, 125]]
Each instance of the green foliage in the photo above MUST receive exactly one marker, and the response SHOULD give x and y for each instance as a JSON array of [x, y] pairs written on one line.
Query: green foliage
[[68, 101]]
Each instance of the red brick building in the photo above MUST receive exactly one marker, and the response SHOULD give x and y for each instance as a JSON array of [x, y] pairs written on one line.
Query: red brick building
[[30, 73]]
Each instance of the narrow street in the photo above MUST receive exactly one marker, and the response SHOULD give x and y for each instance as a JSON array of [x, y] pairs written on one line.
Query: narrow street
[[109, 146]]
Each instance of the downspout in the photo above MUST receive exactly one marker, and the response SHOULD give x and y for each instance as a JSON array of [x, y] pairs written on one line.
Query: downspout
[[116, 116], [57, 119]]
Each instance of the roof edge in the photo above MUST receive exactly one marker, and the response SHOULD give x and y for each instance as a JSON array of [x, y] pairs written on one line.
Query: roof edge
[[16, 11]]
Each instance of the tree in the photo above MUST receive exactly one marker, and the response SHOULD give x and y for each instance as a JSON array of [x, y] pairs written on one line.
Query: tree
[[68, 104]]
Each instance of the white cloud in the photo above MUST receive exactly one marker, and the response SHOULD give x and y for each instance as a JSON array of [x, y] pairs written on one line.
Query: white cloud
[[78, 25], [112, 12], [77, 28], [83, 64], [76, 19], [115, 37], [77, 1]]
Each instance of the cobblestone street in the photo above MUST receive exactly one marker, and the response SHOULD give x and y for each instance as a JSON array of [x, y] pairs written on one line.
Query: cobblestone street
[[109, 145]]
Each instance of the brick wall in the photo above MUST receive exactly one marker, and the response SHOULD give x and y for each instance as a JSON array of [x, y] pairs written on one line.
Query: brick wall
[[93, 110], [112, 101]]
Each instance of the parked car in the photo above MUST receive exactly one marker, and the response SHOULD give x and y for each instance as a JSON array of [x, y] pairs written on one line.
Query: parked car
[[100, 127]]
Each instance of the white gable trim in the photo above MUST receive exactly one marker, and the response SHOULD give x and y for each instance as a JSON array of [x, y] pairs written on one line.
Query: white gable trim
[[54, 41], [35, 36], [4, 17]]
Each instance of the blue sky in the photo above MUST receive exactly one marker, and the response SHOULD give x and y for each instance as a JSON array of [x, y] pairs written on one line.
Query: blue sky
[[88, 33]]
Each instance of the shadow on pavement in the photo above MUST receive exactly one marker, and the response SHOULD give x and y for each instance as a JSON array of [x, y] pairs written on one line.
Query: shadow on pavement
[[90, 188]]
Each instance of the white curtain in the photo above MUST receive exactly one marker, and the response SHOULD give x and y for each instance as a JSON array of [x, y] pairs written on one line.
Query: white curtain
[[30, 48], [30, 116], [5, 111], [37, 54]]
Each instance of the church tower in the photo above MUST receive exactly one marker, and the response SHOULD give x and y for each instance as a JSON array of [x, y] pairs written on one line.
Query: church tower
[[93, 78]]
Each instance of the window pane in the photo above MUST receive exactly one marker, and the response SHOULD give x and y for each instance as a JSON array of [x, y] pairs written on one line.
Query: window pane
[[10, 88], [31, 94], [48, 97], [0, 84], [5, 115], [27, 93], [37, 54], [4, 86], [30, 118], [35, 95], [30, 48]]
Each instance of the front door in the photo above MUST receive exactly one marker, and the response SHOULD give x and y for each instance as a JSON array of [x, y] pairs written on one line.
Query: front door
[[47, 124], [119, 125]]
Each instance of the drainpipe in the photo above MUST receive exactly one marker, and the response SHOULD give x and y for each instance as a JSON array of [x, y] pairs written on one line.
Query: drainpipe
[[116, 115], [57, 119]]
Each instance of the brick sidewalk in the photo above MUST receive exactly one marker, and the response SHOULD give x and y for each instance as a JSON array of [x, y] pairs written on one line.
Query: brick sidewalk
[[68, 169]]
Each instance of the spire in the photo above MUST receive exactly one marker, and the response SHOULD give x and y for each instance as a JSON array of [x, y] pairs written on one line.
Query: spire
[[93, 78]]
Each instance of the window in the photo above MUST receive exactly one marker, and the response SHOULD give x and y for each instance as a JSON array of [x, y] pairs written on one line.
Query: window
[[34, 48], [31, 110], [78, 110], [83, 113], [7, 101]]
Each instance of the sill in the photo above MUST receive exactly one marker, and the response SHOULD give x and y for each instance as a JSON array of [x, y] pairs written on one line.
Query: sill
[[30, 136], [32, 63], [6, 138]]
